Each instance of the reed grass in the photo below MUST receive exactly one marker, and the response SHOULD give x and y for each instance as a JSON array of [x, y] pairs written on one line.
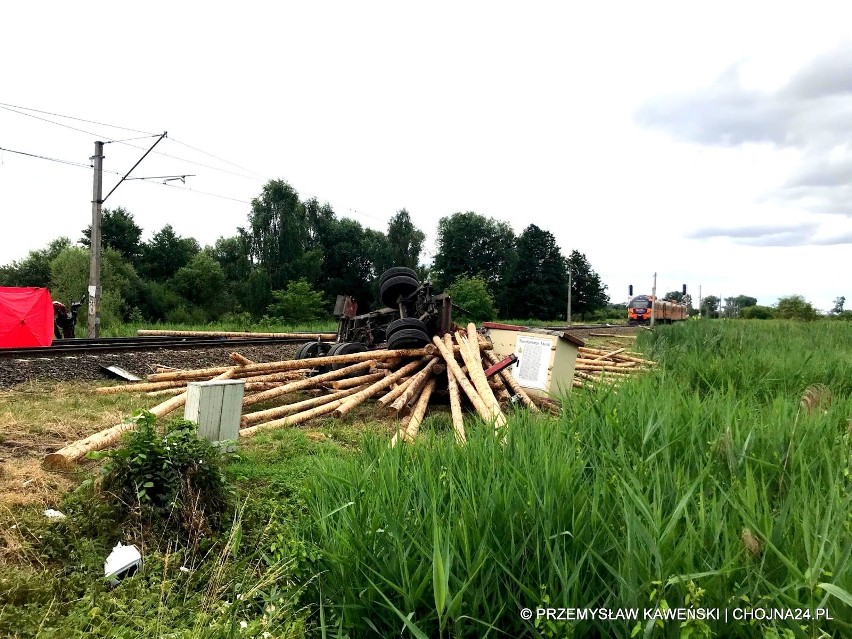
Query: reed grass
[[703, 483]]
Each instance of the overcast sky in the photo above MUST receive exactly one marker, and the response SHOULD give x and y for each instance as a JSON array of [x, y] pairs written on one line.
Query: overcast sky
[[709, 143]]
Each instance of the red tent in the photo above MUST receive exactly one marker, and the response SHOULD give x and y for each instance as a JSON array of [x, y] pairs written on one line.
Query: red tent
[[26, 317]]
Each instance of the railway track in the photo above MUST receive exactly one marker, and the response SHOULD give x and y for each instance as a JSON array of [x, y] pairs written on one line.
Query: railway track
[[73, 347]]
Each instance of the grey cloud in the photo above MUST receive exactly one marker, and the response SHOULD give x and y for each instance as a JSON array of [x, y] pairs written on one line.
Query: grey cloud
[[761, 235], [752, 232], [772, 235], [812, 112]]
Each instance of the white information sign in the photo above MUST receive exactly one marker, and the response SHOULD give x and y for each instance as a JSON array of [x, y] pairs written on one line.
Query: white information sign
[[533, 361]]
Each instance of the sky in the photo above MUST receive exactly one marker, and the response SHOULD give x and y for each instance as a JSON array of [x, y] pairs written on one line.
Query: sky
[[708, 144]]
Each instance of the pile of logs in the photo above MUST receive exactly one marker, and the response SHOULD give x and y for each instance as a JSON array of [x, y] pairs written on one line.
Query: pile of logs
[[402, 381], [599, 366]]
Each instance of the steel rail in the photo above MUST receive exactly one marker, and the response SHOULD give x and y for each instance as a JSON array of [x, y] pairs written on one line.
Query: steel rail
[[137, 344]]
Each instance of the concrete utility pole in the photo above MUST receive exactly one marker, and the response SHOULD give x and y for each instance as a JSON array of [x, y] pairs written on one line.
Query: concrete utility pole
[[568, 313], [95, 243], [699, 301], [654, 301]]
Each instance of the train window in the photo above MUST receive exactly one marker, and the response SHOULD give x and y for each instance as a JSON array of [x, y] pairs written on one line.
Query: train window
[[640, 304]]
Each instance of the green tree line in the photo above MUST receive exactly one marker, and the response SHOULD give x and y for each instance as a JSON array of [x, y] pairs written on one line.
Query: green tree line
[[294, 256]]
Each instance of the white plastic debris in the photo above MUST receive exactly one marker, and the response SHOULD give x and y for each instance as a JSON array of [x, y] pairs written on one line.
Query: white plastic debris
[[123, 560], [185, 569], [53, 514]]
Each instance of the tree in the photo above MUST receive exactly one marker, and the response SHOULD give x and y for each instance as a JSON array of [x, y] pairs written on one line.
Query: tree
[[674, 296], [234, 256], [256, 293], [588, 293], [471, 294], [539, 284], [710, 306], [471, 245], [744, 301], [347, 260], [795, 307], [838, 305], [278, 227], [34, 269], [166, 254], [118, 231], [202, 283], [298, 303], [120, 284], [404, 242]]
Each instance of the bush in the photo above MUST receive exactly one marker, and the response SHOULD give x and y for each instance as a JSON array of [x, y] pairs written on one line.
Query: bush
[[172, 479], [299, 303], [757, 312], [471, 293], [795, 307]]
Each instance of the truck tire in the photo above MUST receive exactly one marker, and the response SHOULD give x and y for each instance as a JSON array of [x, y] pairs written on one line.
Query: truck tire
[[346, 348], [405, 322], [312, 349], [396, 286], [396, 271], [408, 338]]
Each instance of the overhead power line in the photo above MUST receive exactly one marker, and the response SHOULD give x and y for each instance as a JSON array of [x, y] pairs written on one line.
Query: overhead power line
[[108, 139], [44, 157], [71, 117]]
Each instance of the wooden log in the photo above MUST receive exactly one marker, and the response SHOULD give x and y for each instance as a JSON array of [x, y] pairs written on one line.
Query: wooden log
[[419, 411], [310, 382], [66, 456], [609, 355], [379, 386], [455, 404], [239, 359], [627, 356], [261, 416], [343, 384], [473, 359], [612, 335], [403, 403], [396, 390], [512, 383], [598, 367], [166, 391], [139, 388], [461, 378], [289, 376], [295, 364], [305, 336], [293, 420]]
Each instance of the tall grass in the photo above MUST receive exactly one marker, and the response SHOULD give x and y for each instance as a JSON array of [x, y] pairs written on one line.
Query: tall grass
[[701, 484]]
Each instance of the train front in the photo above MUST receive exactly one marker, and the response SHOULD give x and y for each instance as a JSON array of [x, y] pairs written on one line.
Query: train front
[[639, 310]]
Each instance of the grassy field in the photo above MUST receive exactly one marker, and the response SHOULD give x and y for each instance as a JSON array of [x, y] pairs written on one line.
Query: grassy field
[[704, 483]]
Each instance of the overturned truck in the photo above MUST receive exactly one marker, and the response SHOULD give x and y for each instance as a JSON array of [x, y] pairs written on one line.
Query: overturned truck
[[412, 314]]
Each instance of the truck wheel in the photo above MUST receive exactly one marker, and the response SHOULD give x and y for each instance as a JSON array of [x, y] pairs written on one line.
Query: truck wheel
[[314, 349], [405, 322], [408, 338], [396, 271], [396, 286], [346, 348]]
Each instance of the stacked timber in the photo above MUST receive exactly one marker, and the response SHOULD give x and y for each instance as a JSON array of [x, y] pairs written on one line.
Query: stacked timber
[[600, 366], [403, 382]]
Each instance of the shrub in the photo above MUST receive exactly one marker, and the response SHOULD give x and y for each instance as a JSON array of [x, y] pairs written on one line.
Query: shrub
[[171, 479], [299, 303], [757, 312], [795, 307], [471, 294]]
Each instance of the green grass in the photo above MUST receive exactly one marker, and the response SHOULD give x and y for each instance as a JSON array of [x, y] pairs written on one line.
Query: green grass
[[701, 483], [647, 498]]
